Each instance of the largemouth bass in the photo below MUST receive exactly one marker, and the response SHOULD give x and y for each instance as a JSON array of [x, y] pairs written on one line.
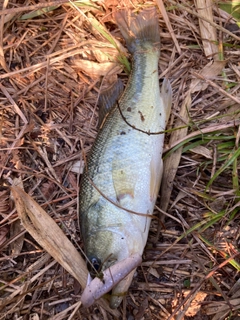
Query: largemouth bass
[[124, 168]]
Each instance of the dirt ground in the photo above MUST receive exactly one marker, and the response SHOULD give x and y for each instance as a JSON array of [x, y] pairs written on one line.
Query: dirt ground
[[55, 59]]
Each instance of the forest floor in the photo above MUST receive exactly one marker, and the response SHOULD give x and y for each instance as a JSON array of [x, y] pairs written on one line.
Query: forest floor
[[55, 59]]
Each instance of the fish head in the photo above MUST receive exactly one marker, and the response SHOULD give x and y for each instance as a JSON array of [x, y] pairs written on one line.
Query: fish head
[[109, 240], [106, 249]]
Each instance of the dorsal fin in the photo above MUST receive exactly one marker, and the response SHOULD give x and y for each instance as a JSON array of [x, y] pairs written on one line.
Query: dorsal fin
[[108, 99]]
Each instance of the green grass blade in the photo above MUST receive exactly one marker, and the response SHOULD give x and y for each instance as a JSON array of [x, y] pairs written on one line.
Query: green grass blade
[[235, 177], [37, 13], [90, 4], [216, 218], [233, 8], [226, 256], [231, 159], [193, 145]]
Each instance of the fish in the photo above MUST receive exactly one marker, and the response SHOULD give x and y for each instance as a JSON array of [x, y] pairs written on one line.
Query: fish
[[123, 172]]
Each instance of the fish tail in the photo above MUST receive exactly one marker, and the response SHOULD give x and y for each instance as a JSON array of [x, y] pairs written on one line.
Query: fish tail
[[138, 28]]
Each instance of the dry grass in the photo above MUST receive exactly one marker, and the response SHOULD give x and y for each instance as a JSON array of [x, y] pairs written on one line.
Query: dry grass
[[48, 121]]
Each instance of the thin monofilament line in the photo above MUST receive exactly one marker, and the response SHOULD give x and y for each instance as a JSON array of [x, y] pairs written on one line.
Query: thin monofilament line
[[138, 129], [116, 204], [111, 201]]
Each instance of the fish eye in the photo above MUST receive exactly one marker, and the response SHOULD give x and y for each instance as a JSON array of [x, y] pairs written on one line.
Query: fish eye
[[96, 263], [94, 266]]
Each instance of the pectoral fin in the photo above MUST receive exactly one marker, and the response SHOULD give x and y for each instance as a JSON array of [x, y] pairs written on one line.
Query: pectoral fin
[[166, 94], [124, 184], [156, 169]]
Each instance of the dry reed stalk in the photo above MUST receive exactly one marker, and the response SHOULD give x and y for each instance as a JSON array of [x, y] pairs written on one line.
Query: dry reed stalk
[[168, 24], [207, 30]]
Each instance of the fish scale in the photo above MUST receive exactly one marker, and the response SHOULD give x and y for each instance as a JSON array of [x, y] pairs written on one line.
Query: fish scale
[[125, 162]]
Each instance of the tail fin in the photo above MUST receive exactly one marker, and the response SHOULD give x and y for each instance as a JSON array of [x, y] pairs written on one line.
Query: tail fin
[[138, 28]]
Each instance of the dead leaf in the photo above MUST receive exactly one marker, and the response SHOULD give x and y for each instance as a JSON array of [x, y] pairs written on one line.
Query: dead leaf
[[16, 227], [193, 308], [196, 303], [48, 188], [47, 233], [95, 69], [180, 196], [210, 71], [154, 272], [78, 167], [232, 112], [203, 151], [34, 316], [218, 204], [171, 163]]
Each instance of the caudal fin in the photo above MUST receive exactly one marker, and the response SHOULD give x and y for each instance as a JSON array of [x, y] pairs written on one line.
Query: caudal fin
[[138, 28]]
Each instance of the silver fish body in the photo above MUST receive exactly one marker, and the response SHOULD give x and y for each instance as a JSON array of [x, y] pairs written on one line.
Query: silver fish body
[[125, 162]]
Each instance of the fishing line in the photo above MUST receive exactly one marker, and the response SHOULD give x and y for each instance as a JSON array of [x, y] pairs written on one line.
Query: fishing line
[[118, 205], [111, 201], [132, 126]]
